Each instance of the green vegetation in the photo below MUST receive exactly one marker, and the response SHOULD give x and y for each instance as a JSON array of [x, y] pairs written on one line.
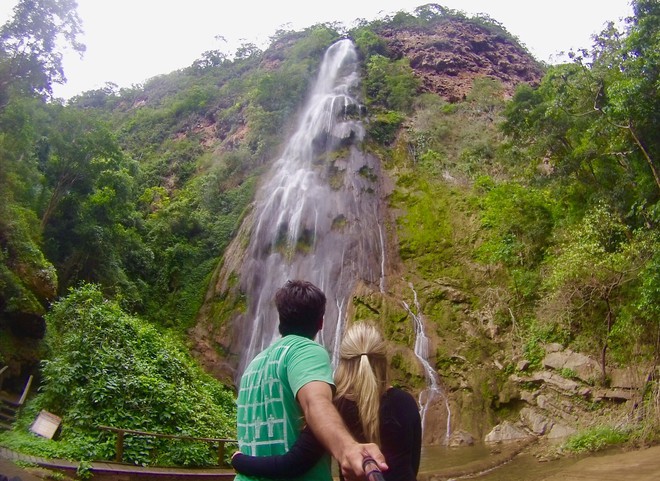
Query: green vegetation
[[543, 208], [107, 368], [520, 222], [595, 439]]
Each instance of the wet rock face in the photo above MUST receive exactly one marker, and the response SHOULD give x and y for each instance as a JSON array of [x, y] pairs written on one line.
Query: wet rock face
[[449, 55]]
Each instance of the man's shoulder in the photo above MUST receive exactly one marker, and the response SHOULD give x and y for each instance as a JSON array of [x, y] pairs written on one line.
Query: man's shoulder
[[307, 361], [297, 345], [288, 349]]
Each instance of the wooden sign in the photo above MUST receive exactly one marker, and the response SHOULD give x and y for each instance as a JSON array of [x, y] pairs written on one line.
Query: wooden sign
[[46, 424]]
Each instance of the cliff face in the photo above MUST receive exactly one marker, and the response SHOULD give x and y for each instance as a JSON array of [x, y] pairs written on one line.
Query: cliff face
[[449, 55]]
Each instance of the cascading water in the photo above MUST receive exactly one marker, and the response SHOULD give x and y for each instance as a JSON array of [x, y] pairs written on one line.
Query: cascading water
[[433, 391], [316, 216]]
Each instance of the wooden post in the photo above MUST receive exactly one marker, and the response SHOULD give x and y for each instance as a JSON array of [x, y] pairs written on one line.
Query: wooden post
[[25, 391], [120, 446], [221, 453], [2, 375]]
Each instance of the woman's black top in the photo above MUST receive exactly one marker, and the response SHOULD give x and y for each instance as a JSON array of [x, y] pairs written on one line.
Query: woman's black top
[[400, 433]]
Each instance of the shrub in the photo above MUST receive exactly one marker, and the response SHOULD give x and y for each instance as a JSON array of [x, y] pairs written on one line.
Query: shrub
[[595, 439], [106, 367], [384, 127]]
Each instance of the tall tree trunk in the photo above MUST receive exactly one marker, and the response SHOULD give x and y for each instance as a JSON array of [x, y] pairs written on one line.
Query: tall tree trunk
[[64, 183]]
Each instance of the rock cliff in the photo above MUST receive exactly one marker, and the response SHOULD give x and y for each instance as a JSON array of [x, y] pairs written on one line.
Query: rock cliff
[[449, 55]]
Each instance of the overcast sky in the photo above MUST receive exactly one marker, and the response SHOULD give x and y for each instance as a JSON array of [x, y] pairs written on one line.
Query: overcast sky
[[130, 41]]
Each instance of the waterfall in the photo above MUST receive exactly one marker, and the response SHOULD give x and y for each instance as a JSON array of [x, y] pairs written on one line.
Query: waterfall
[[433, 390], [382, 259], [314, 215]]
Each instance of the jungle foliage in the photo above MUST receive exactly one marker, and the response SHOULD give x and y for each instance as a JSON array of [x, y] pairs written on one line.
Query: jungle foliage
[[108, 368], [117, 205]]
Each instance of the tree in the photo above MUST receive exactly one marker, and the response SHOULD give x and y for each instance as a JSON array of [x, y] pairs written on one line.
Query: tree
[[635, 98], [28, 280], [432, 11], [30, 62], [595, 120], [624, 71], [87, 206], [519, 224], [369, 43], [75, 151], [594, 275], [29, 56]]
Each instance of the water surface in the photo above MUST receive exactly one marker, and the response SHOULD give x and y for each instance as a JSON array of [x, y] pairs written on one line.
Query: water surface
[[523, 467]]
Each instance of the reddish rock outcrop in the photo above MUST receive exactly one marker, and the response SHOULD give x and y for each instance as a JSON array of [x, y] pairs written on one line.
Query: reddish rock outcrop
[[449, 55]]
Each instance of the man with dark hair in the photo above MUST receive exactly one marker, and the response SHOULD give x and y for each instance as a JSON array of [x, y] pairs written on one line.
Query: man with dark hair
[[289, 384], [301, 306]]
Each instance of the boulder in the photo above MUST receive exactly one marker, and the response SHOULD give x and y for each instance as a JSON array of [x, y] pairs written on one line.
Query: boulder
[[553, 347], [461, 438], [522, 365], [613, 394], [535, 421], [555, 380], [506, 432], [630, 378], [560, 431], [529, 396], [583, 366]]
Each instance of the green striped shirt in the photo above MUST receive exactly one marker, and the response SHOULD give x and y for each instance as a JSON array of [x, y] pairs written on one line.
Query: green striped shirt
[[269, 418]]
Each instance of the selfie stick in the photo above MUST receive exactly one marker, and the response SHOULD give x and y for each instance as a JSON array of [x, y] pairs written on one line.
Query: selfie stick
[[371, 469]]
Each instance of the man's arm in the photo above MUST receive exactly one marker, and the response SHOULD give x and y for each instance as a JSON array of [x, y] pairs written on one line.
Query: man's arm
[[302, 456], [315, 398]]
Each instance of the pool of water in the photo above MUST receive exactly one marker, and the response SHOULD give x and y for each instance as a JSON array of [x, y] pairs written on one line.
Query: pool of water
[[435, 458], [523, 467]]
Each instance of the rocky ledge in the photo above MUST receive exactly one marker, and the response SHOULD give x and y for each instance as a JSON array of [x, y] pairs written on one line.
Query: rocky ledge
[[559, 400]]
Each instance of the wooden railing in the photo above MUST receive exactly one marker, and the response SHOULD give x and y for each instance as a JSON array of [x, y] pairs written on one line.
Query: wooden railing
[[121, 433], [26, 391], [9, 406], [2, 375]]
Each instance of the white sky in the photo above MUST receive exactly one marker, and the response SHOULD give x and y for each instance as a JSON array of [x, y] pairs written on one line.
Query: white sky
[[130, 41]]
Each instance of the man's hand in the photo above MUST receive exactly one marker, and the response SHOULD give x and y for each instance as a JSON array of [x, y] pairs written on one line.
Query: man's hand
[[351, 461], [315, 398]]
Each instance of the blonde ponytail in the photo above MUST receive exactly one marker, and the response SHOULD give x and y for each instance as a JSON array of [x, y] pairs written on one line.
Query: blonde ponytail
[[361, 374]]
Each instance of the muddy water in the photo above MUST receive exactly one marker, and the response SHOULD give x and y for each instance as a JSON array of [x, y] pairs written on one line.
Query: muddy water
[[525, 467], [436, 458], [441, 460]]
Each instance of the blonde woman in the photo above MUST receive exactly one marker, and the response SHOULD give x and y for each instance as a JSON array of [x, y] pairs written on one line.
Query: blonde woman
[[373, 411]]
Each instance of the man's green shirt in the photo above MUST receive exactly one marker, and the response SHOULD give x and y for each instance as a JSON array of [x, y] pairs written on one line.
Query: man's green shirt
[[269, 417]]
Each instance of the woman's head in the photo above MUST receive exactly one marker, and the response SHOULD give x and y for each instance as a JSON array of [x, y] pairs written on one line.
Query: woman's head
[[361, 374]]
